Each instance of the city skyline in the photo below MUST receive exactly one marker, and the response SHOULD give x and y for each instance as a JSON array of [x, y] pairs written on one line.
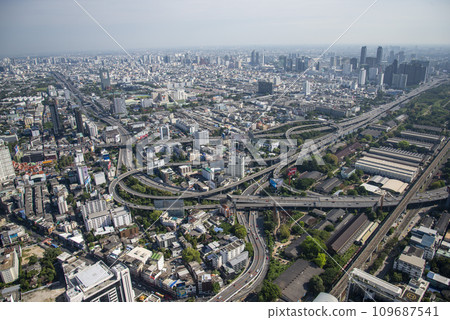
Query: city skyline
[[62, 27]]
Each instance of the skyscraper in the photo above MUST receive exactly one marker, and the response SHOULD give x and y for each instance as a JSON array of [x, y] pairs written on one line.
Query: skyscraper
[[57, 125], [362, 59], [307, 88], [236, 166], [105, 79], [354, 63], [362, 77], [379, 55], [79, 120], [201, 138]]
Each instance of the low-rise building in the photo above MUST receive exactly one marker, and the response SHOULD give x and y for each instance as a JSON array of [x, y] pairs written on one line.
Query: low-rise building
[[411, 265]]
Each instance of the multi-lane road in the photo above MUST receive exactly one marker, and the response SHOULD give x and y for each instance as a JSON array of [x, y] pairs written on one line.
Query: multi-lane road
[[254, 274]]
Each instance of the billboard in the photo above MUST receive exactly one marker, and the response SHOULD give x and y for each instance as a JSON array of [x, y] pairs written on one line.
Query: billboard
[[276, 183], [292, 171]]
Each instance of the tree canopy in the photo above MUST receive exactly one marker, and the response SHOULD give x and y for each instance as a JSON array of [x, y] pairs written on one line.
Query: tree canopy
[[269, 292], [190, 254]]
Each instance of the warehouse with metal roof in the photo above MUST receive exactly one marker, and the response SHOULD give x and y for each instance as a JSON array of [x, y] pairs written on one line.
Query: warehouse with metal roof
[[386, 168]]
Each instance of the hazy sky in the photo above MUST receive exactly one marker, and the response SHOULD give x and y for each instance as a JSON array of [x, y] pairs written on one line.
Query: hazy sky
[[46, 26]]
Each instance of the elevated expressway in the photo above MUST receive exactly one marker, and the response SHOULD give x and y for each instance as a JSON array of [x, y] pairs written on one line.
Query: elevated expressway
[[344, 128]]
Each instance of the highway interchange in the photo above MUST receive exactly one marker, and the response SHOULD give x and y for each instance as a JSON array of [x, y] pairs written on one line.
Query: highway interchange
[[255, 272]]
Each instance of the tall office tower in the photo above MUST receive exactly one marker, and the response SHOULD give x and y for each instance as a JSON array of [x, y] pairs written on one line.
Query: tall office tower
[[57, 125], [164, 132], [300, 64], [201, 138], [253, 58], [6, 167], [79, 120], [263, 62], [282, 61], [354, 63], [416, 70], [347, 69], [401, 56], [362, 77], [389, 72], [97, 282], [105, 80], [332, 62], [265, 87], [379, 55], [119, 106], [362, 59], [391, 57], [289, 64], [399, 81], [236, 166], [307, 88], [257, 58]]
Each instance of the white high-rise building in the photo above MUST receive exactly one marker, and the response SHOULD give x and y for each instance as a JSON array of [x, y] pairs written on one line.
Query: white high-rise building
[[307, 88], [380, 79], [236, 166], [93, 130], [201, 138], [62, 205], [362, 77], [164, 132], [6, 167]]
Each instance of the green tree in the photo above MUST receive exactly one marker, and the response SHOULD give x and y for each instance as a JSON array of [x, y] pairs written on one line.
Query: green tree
[[239, 231], [397, 277], [311, 247], [190, 254], [331, 159], [284, 232], [403, 145], [216, 287], [320, 260], [249, 248], [315, 285], [32, 260], [269, 292]]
